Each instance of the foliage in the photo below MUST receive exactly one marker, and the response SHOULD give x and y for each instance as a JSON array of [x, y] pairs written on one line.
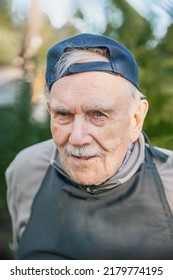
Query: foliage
[[18, 130], [155, 69], [8, 39]]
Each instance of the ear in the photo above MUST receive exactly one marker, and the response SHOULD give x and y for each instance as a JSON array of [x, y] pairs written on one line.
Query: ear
[[48, 107], [138, 119]]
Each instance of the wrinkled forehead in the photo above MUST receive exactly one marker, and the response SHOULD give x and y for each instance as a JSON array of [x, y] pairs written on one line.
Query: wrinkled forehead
[[96, 88]]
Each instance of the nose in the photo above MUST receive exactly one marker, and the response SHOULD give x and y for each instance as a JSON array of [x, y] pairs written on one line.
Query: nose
[[79, 135]]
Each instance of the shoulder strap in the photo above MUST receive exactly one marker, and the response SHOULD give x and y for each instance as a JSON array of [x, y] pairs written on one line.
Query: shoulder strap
[[154, 151]]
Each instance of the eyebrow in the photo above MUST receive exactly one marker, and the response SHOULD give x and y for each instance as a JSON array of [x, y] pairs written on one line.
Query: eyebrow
[[97, 107], [86, 108], [60, 110]]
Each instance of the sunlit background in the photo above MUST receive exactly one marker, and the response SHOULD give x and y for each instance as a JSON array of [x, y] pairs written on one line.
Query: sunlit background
[[29, 28]]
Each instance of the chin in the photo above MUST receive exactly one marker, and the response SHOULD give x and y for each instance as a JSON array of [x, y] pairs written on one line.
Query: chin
[[84, 175], [85, 180]]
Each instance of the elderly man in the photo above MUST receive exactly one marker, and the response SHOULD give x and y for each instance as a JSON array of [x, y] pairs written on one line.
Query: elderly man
[[99, 189]]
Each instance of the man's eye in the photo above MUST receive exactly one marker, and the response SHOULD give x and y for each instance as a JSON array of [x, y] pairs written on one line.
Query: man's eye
[[99, 114], [62, 117], [98, 118], [63, 114], [59, 114]]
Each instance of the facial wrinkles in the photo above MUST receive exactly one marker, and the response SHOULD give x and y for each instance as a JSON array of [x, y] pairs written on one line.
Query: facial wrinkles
[[107, 144], [98, 147]]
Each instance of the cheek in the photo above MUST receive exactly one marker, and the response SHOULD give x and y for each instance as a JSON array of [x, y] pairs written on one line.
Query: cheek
[[114, 136], [59, 134]]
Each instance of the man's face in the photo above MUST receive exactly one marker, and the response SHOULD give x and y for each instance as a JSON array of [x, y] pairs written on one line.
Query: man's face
[[90, 124]]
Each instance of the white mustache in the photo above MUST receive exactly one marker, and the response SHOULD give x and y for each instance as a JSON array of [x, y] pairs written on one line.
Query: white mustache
[[84, 151]]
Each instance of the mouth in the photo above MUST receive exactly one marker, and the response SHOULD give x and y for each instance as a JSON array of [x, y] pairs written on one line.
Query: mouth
[[83, 158]]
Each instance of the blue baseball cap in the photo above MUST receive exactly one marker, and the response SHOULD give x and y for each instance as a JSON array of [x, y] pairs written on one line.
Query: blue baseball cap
[[121, 62]]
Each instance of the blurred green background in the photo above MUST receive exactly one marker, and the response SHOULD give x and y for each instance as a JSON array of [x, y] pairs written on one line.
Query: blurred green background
[[29, 28]]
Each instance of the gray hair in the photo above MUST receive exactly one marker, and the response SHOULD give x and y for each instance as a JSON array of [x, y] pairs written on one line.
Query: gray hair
[[77, 55]]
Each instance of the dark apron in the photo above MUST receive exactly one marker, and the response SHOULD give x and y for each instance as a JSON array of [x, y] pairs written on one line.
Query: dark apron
[[131, 221]]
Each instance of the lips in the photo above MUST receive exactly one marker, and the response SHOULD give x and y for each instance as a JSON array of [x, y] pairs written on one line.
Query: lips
[[84, 158]]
